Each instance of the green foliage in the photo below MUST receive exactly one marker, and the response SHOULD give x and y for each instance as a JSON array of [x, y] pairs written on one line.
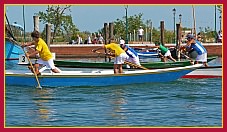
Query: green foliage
[[133, 24], [156, 35], [119, 28], [62, 23]]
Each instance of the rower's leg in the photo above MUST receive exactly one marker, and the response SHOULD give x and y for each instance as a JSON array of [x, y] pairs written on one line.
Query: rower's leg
[[36, 66]]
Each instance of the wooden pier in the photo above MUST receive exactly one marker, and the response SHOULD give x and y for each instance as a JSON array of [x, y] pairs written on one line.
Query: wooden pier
[[84, 50]]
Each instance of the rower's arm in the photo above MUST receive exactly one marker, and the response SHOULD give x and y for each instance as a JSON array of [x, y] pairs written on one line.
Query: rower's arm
[[102, 47]]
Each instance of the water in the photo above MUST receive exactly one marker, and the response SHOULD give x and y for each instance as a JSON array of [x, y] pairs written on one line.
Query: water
[[181, 103]]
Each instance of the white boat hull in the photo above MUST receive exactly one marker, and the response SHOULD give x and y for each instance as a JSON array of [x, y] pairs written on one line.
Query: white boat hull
[[210, 72]]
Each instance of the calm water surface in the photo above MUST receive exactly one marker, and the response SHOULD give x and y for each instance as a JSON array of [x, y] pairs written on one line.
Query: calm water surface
[[184, 102]]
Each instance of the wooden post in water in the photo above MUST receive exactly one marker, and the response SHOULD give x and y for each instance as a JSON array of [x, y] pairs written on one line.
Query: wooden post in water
[[48, 34], [130, 36], [178, 41], [162, 32], [146, 34], [106, 33], [134, 35], [106, 36], [111, 28], [194, 24], [36, 23], [111, 36], [151, 33]]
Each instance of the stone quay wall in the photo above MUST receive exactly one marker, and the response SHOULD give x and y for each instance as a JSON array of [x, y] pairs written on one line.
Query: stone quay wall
[[85, 50]]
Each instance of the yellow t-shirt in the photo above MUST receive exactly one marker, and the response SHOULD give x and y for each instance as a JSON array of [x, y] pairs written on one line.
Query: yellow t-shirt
[[115, 48], [43, 49]]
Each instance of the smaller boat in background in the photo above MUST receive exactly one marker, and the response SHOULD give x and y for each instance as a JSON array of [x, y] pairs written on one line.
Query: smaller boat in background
[[143, 52], [12, 50], [109, 65]]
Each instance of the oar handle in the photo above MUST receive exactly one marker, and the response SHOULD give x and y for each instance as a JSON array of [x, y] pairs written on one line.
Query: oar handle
[[103, 54]]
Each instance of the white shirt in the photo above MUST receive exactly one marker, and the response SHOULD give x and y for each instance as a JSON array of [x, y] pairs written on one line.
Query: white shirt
[[79, 40], [89, 40], [140, 31], [220, 35]]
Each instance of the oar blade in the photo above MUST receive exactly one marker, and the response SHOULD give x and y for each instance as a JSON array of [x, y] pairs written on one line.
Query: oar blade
[[39, 87]]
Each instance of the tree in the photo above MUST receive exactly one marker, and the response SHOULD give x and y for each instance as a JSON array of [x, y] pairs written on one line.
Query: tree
[[148, 29], [119, 28], [133, 24], [62, 23], [156, 35], [68, 28]]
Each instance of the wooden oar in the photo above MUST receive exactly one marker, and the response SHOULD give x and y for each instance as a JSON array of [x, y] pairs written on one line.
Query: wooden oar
[[187, 57], [135, 65], [36, 77], [126, 62], [10, 30]]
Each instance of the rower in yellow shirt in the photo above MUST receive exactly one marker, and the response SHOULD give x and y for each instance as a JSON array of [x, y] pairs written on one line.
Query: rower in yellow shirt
[[42, 49], [119, 53]]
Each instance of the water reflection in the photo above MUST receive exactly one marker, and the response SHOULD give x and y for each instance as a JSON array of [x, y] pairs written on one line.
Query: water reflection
[[117, 103], [44, 112]]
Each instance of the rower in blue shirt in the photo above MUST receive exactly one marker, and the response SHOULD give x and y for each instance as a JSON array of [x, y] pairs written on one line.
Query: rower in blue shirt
[[133, 56], [199, 48]]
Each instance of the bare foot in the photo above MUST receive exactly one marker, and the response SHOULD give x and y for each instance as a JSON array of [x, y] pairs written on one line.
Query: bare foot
[[30, 68]]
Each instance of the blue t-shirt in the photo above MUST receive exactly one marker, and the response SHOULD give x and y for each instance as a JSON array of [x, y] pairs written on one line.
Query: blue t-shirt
[[130, 52], [198, 47]]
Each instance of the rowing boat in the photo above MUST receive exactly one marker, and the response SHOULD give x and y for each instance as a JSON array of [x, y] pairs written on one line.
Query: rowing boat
[[97, 77], [12, 50], [109, 65], [206, 72]]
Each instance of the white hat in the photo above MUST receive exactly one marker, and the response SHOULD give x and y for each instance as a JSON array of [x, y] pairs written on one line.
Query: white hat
[[122, 41]]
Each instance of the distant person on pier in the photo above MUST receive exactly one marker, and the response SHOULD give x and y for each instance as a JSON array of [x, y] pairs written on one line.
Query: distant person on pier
[[100, 39], [89, 40], [220, 36], [140, 34], [193, 44], [133, 56], [94, 39], [199, 38], [42, 49], [79, 40], [118, 53]]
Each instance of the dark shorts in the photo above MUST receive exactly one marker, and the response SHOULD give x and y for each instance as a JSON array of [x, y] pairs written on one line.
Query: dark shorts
[[140, 36]]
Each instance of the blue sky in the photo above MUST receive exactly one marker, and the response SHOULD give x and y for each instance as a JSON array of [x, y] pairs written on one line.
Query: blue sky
[[92, 17]]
